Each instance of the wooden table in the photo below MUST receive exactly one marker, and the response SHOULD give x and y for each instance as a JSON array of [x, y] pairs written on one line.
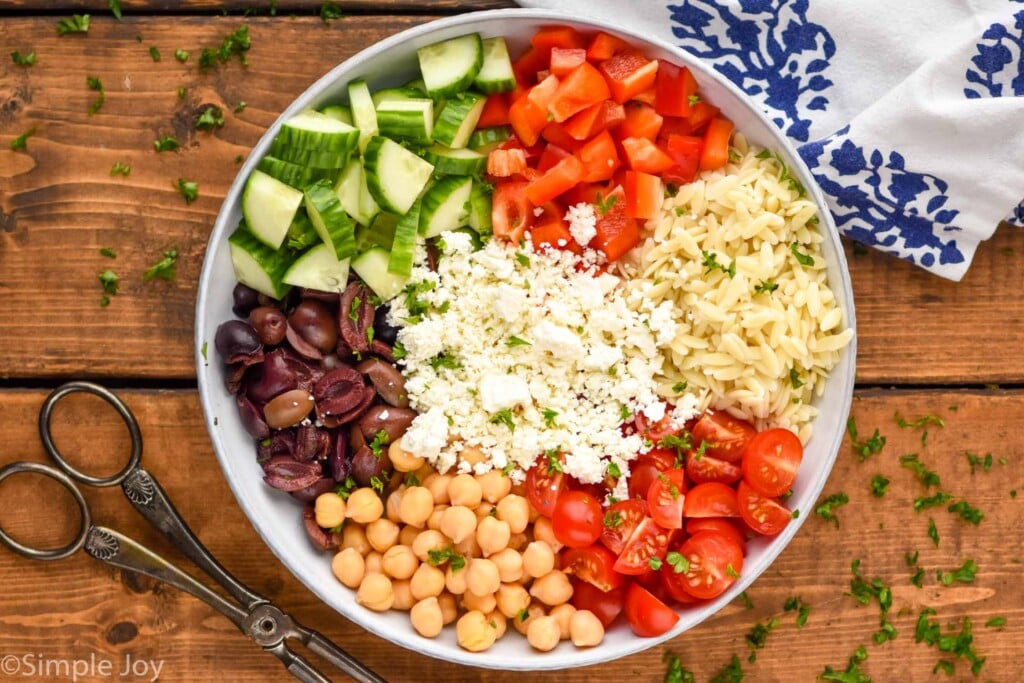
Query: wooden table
[[927, 347]]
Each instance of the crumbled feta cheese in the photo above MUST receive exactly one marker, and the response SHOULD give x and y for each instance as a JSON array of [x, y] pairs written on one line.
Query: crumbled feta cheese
[[427, 434], [503, 392], [582, 222]]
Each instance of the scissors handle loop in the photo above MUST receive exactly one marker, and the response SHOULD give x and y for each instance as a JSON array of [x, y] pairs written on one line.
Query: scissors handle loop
[[64, 480], [46, 432]]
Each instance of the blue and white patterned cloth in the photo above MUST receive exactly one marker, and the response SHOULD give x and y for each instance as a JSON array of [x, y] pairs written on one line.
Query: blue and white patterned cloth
[[909, 114]]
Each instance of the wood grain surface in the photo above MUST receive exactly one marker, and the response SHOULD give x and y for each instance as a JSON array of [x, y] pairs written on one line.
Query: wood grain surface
[[98, 610]]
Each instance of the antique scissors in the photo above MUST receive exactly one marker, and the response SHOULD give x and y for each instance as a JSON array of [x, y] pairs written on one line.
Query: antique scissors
[[254, 615]]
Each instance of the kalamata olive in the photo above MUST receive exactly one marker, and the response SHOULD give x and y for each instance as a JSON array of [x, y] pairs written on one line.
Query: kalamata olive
[[300, 346], [389, 419], [355, 317], [338, 465], [381, 329], [251, 418], [339, 391], [287, 409], [355, 438], [280, 444], [387, 380], [310, 493], [323, 540], [236, 342], [316, 324], [269, 323], [311, 442], [287, 474], [366, 465], [277, 373], [244, 299]]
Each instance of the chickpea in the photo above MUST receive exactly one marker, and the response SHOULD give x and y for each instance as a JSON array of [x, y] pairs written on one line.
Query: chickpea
[[349, 567], [458, 522], [553, 588], [534, 514], [482, 577], [494, 485], [516, 511], [427, 581], [434, 522], [424, 471], [481, 603], [426, 617], [408, 534], [472, 455], [382, 534], [512, 598], [376, 593], [402, 460], [543, 531], [329, 510], [474, 631], [372, 562], [392, 503], [469, 547], [403, 595], [509, 563], [449, 607], [465, 490], [498, 620], [484, 509], [518, 541], [538, 559], [364, 506], [399, 562], [455, 580], [585, 629], [543, 633], [563, 614], [492, 535], [534, 611], [354, 536], [416, 506], [438, 486], [427, 540]]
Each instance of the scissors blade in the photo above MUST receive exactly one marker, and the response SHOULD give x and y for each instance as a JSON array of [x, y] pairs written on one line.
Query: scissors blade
[[297, 665], [320, 645]]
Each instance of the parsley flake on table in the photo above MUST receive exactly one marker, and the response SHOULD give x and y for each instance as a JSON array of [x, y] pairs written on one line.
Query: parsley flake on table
[[108, 252], [188, 189], [758, 637], [826, 508], [864, 591], [21, 142], [864, 449], [235, 43], [166, 144], [23, 60], [985, 462], [967, 513], [154, 53], [212, 117], [852, 674], [927, 476], [115, 8], [933, 532], [925, 502], [120, 169], [802, 609], [329, 11], [181, 55], [76, 23], [996, 622], [240, 107], [164, 269], [879, 485], [965, 574], [920, 422], [108, 280], [730, 673], [676, 673], [95, 84], [917, 578], [961, 644]]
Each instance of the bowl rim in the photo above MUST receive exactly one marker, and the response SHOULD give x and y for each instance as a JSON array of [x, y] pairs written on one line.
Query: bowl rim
[[837, 266]]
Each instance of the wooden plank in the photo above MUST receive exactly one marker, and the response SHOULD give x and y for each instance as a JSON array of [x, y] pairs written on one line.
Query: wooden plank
[[100, 8], [59, 205], [102, 613]]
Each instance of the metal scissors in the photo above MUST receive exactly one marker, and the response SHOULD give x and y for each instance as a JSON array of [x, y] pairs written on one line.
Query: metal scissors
[[254, 615]]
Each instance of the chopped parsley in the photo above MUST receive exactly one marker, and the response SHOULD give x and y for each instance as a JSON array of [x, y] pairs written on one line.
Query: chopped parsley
[[879, 485], [676, 673], [784, 174], [802, 258], [852, 674], [710, 262], [181, 55], [613, 519], [182, 91], [154, 53], [119, 168], [554, 461], [863, 592], [679, 387], [449, 555], [115, 8], [965, 574], [212, 117], [330, 11], [766, 287], [108, 280], [202, 349], [346, 488], [444, 360], [794, 379], [730, 673], [985, 462], [189, 189], [377, 484], [654, 563], [917, 578], [23, 60], [508, 468], [516, 341], [826, 508], [96, 85], [803, 610], [960, 645], [164, 269], [108, 252], [21, 142], [613, 470], [380, 439], [504, 417], [996, 622], [625, 413], [920, 422], [235, 43], [678, 562], [605, 204], [240, 107], [549, 416], [933, 532], [166, 144], [398, 351], [745, 599], [524, 260], [758, 636], [76, 23], [681, 442], [925, 502], [967, 513], [864, 449], [927, 476]]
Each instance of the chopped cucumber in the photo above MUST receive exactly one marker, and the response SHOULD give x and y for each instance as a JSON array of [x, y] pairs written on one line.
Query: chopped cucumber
[[269, 206], [455, 161], [458, 118], [364, 114], [330, 220], [354, 195], [392, 94], [445, 205], [336, 111], [486, 139], [480, 208], [496, 74], [411, 120], [403, 245], [380, 233], [301, 233], [313, 130], [310, 158], [449, 67], [394, 175], [299, 177], [257, 265], [319, 269], [372, 267]]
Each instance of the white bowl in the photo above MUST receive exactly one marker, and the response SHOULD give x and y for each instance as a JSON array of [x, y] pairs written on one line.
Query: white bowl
[[277, 517]]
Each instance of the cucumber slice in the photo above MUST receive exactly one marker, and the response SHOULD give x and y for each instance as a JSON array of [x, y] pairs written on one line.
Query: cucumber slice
[[372, 267], [411, 120], [364, 113], [403, 245], [269, 206], [486, 139], [458, 119], [455, 161], [301, 233], [354, 195], [496, 74], [480, 208], [403, 93], [312, 158], [418, 85], [335, 227], [449, 67], [312, 130], [318, 269], [445, 205], [299, 177], [336, 111], [394, 175], [257, 265], [380, 233]]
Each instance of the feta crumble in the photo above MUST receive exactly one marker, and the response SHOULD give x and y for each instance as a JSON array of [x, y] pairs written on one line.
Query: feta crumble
[[582, 222]]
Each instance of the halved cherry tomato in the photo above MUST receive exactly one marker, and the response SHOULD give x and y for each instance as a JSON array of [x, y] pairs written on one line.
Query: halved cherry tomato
[[600, 158], [685, 152], [704, 468], [644, 194], [764, 515], [556, 180], [511, 212], [770, 461], [674, 85], [656, 431], [565, 59], [719, 525], [577, 519], [503, 163], [583, 87], [620, 521], [714, 563], [641, 121], [594, 119], [647, 615], [593, 564], [724, 436], [617, 233], [643, 155], [543, 486], [715, 153], [628, 73], [641, 475], [604, 45], [671, 584], [606, 606], [664, 458], [648, 540], [666, 497], [711, 499], [495, 111]]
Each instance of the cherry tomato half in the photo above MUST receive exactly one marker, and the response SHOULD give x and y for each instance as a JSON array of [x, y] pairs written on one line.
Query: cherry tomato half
[[770, 461], [720, 525], [711, 499], [764, 515], [543, 486], [593, 564], [647, 615], [705, 468], [649, 540], [620, 521], [713, 563], [725, 435], [665, 499], [641, 475], [577, 519], [606, 606]]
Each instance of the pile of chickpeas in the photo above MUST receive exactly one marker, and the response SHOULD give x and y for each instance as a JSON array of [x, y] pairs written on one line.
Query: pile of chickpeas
[[456, 548]]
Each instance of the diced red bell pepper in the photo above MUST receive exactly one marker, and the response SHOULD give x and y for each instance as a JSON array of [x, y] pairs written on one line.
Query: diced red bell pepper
[[673, 87], [565, 59], [641, 121], [495, 112], [503, 163], [528, 64], [715, 153], [685, 152], [617, 233], [583, 87], [647, 96], [644, 195], [529, 114], [549, 37], [604, 46], [643, 155], [551, 231], [550, 157], [556, 134], [600, 158], [628, 73], [700, 116], [559, 178], [595, 118]]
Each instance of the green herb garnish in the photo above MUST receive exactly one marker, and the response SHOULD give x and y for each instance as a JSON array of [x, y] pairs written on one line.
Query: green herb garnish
[[95, 84], [864, 449], [212, 117], [516, 341], [329, 11], [766, 287], [802, 259], [380, 439], [115, 8], [189, 189], [927, 476], [181, 55], [108, 280], [166, 144], [879, 485], [711, 263], [933, 532], [154, 53], [164, 269], [77, 23], [826, 508], [23, 60], [504, 417], [965, 574], [678, 562], [966, 512]]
